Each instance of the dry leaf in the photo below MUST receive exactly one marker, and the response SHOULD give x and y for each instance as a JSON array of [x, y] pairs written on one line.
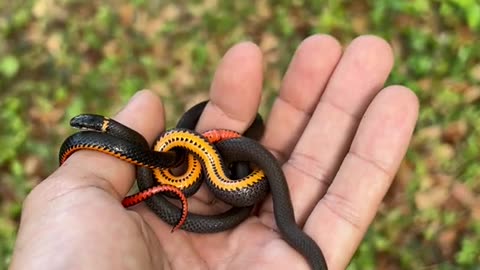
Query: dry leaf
[[360, 24], [455, 132], [443, 180], [444, 152], [152, 27], [425, 84], [32, 165], [404, 175], [472, 94], [183, 78], [475, 72], [434, 197], [170, 12], [111, 49], [161, 88], [429, 133], [46, 118], [447, 240], [463, 194], [263, 10], [127, 14], [268, 42], [467, 198], [456, 86], [54, 43]]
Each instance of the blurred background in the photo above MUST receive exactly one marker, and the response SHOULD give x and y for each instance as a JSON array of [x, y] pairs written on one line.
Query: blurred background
[[59, 58]]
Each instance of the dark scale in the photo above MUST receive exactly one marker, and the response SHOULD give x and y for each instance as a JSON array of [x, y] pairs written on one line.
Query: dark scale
[[242, 196]]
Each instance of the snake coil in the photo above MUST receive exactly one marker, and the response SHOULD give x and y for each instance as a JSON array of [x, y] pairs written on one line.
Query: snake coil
[[118, 140]]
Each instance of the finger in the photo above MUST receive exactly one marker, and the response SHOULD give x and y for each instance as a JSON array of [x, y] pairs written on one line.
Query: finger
[[352, 200], [143, 113], [303, 84], [236, 90], [358, 77], [234, 99]]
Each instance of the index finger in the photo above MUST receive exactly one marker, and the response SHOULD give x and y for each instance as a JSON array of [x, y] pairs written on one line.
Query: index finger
[[236, 90]]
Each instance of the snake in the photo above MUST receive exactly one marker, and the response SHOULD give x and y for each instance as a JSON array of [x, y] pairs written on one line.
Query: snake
[[221, 157]]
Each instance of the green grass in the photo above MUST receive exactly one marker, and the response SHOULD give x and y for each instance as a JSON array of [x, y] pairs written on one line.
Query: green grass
[[60, 60]]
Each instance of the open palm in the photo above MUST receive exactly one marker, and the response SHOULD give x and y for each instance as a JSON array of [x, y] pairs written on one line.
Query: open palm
[[338, 134]]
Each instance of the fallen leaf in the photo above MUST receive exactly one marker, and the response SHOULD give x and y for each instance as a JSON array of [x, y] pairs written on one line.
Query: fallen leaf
[[263, 10], [455, 132], [360, 24], [443, 180], [54, 43], [126, 13], [40, 8], [183, 78], [444, 152], [268, 42], [400, 183], [429, 133], [110, 49], [431, 198], [475, 72], [46, 118], [463, 194], [49, 8], [446, 241], [170, 12], [455, 85], [161, 88], [472, 94], [425, 84], [32, 165]]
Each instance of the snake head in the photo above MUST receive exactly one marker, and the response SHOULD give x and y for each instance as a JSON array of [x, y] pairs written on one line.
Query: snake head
[[90, 122]]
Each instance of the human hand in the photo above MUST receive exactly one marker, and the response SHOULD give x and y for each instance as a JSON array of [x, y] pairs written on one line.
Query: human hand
[[339, 137]]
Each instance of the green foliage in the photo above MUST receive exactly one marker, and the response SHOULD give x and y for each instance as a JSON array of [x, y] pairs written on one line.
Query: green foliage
[[14, 131], [9, 66], [7, 238], [469, 253], [58, 60]]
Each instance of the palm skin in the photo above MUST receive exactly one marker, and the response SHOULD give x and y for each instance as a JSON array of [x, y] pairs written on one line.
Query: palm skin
[[338, 134]]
